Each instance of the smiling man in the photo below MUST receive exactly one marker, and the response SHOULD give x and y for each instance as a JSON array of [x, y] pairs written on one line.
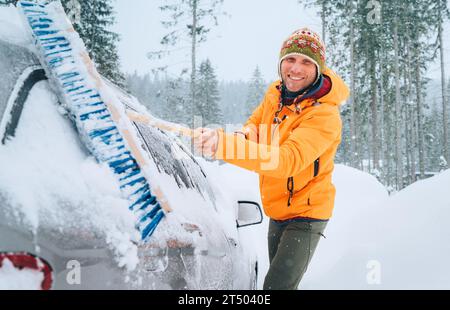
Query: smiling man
[[290, 140]]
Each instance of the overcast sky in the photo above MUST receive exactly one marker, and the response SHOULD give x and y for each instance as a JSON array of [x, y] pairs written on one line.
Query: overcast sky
[[250, 36]]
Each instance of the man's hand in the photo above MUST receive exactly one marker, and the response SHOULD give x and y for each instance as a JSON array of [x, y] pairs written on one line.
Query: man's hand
[[205, 141]]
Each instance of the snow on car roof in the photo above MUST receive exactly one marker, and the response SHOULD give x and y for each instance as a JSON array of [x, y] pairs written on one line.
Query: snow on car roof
[[11, 27]]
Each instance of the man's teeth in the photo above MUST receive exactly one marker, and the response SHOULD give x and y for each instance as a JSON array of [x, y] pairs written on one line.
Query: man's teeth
[[296, 79]]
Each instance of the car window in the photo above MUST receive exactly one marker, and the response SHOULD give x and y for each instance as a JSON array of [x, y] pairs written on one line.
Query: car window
[[13, 61]]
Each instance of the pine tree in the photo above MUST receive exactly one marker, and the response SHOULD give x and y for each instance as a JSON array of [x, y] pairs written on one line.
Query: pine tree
[[442, 15], [255, 93], [95, 19], [383, 51], [207, 95], [189, 20], [174, 97], [145, 90], [7, 2], [326, 10], [233, 101]]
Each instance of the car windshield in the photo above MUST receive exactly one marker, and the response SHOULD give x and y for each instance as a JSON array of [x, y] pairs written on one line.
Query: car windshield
[[171, 158]]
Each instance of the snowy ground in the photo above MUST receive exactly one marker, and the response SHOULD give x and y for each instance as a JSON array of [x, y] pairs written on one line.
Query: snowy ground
[[373, 241]]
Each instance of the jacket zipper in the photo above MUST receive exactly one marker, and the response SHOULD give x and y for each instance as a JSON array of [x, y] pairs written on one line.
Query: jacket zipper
[[290, 188], [290, 183]]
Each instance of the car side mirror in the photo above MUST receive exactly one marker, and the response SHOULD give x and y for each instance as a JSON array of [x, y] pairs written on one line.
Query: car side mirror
[[249, 213]]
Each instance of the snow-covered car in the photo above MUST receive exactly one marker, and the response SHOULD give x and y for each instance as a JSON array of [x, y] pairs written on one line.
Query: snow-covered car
[[63, 222]]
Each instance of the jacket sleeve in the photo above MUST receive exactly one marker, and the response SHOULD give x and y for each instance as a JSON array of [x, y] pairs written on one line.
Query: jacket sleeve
[[305, 144]]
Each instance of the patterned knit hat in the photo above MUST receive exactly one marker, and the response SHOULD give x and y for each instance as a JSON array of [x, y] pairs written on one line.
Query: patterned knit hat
[[307, 43]]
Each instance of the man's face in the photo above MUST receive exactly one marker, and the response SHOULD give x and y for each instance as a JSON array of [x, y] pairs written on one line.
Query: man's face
[[298, 72]]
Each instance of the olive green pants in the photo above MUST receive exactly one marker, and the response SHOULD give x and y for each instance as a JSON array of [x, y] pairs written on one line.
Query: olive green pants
[[291, 247]]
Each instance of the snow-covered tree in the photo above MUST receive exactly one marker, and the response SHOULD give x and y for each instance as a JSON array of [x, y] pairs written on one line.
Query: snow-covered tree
[[207, 95], [173, 101], [95, 19], [256, 90], [383, 49], [442, 13], [188, 20], [7, 2], [233, 96]]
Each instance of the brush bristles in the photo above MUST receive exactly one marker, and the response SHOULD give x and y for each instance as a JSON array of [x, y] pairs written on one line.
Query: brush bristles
[[92, 117]]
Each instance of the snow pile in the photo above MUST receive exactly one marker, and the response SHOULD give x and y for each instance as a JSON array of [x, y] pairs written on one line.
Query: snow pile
[[358, 197], [397, 242], [48, 177], [15, 279]]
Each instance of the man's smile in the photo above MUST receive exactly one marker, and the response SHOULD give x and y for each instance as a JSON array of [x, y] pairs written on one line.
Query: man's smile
[[295, 78]]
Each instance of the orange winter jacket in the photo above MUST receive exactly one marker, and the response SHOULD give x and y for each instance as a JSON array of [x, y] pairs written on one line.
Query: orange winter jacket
[[295, 158]]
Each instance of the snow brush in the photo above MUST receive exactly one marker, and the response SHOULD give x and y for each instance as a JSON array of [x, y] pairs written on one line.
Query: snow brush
[[98, 114]]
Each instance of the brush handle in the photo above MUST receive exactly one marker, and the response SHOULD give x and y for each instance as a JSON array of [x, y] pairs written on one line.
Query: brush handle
[[167, 126]]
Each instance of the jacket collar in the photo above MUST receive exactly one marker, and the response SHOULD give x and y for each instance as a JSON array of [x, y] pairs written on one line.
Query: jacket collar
[[319, 89], [333, 91]]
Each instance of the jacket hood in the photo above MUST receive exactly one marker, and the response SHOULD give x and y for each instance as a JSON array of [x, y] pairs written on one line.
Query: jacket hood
[[339, 92]]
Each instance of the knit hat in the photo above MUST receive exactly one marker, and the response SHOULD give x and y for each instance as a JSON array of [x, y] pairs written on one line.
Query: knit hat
[[307, 43]]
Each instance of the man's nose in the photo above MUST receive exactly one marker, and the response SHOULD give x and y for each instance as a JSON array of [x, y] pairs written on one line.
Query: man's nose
[[297, 67]]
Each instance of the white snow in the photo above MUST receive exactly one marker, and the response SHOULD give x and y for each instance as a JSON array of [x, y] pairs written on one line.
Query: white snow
[[405, 236], [373, 241], [15, 279]]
